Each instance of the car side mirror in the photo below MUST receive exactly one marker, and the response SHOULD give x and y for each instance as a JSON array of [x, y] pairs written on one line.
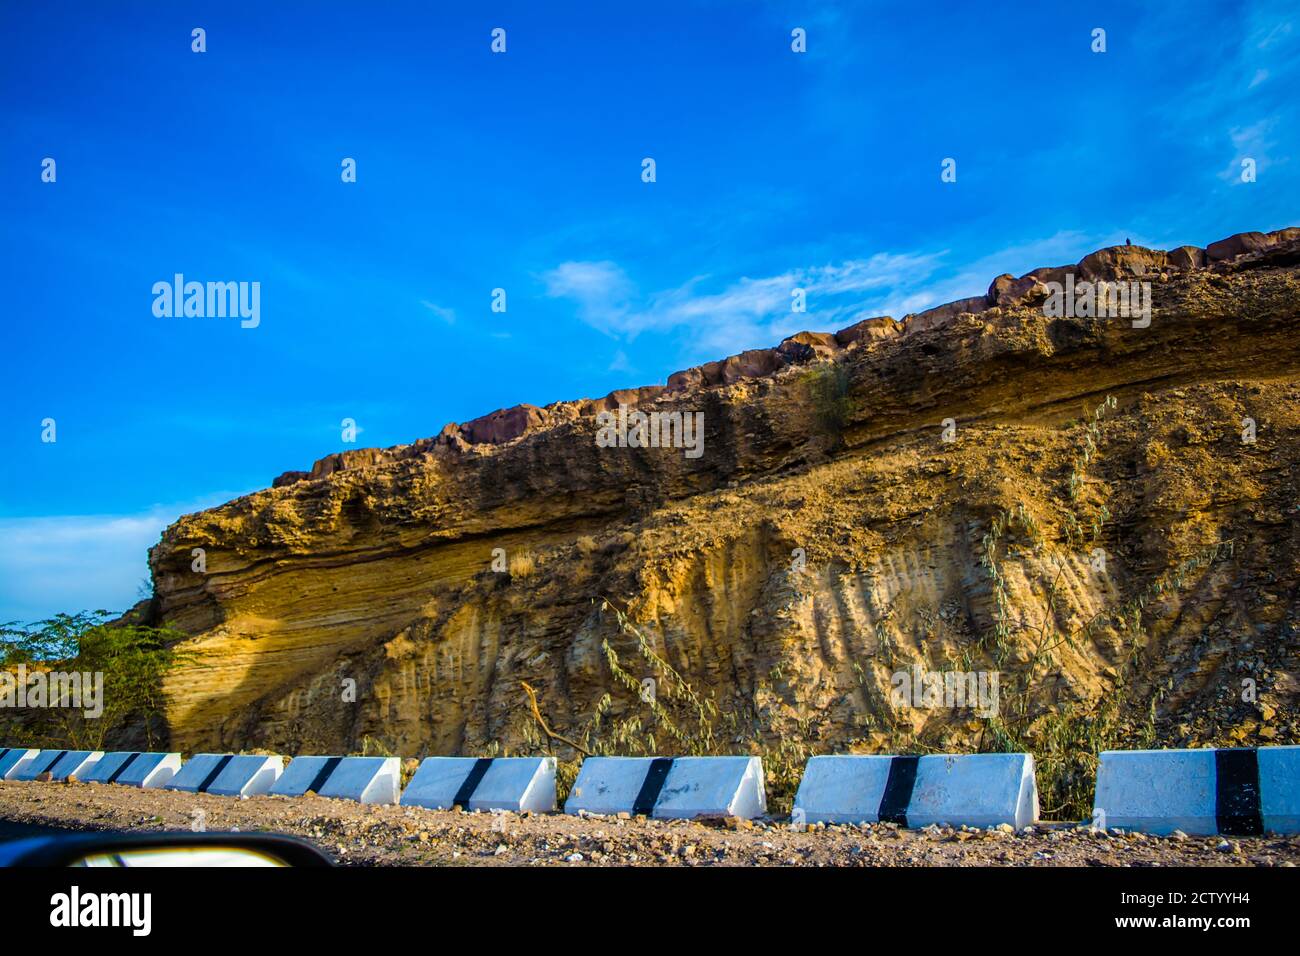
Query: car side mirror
[[180, 849]]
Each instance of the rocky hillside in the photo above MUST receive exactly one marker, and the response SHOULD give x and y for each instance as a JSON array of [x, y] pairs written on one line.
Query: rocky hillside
[[1090, 524]]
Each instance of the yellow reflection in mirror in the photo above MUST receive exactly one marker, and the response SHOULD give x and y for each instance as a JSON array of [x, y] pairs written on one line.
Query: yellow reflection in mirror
[[214, 856]]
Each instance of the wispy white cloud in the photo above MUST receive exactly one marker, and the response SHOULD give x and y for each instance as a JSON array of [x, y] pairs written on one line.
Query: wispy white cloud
[[447, 315], [743, 313], [69, 563], [1242, 98], [749, 312], [1252, 142], [602, 291]]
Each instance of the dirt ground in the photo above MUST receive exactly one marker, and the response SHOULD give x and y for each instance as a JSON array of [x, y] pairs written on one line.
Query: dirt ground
[[410, 836]]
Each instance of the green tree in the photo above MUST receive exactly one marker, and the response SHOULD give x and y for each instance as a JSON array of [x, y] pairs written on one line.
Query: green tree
[[131, 659]]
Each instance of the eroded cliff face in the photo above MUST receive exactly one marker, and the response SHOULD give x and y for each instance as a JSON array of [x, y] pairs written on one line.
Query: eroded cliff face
[[827, 537]]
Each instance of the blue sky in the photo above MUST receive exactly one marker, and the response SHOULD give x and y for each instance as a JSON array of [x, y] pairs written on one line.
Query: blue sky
[[522, 171]]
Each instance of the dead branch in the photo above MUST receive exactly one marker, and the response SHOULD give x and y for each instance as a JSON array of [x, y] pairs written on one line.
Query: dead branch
[[541, 721]]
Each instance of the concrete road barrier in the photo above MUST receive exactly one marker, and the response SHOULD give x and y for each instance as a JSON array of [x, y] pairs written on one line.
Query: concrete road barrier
[[75, 763], [41, 763], [1237, 791], [60, 764], [135, 769], [14, 761], [978, 790], [670, 788], [227, 775], [364, 779], [487, 783]]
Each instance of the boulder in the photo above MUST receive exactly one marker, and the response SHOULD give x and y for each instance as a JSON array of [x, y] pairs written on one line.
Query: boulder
[[1056, 274], [503, 425], [1238, 245], [349, 460], [868, 330], [1116, 262], [686, 378], [751, 364], [629, 396], [1007, 292], [806, 346], [1186, 258], [290, 478], [941, 315]]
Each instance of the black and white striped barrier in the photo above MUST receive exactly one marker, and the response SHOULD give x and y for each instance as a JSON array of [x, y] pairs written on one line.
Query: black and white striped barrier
[[364, 779], [133, 769], [59, 764], [486, 783], [977, 790], [227, 775], [670, 788], [14, 760], [1239, 791]]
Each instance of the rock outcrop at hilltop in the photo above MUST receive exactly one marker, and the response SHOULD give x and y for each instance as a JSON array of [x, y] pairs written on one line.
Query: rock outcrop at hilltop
[[828, 536], [1006, 292]]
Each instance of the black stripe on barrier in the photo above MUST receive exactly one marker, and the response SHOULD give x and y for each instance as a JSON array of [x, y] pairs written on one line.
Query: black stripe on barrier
[[49, 767], [470, 784], [323, 776], [122, 769], [1237, 808], [3, 752], [216, 772], [898, 790], [652, 786]]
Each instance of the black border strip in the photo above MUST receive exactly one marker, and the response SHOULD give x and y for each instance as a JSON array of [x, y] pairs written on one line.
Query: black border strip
[[122, 769], [323, 776], [470, 783], [211, 778], [898, 790], [1237, 807], [49, 767], [652, 786]]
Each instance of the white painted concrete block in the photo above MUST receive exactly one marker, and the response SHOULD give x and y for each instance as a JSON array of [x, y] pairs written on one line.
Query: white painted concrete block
[[75, 763], [1279, 788], [497, 783], [227, 775], [1156, 791], [978, 790], [15, 760], [670, 788], [41, 763], [247, 776], [135, 769], [190, 778], [107, 766], [1235, 791], [364, 779], [59, 764]]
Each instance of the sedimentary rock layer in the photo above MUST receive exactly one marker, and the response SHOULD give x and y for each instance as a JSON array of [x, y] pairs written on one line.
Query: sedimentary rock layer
[[828, 536]]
